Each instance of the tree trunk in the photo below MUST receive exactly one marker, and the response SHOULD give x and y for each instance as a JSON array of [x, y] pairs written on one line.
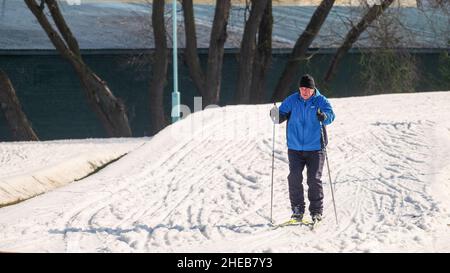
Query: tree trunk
[[190, 53], [159, 68], [208, 84], [300, 49], [110, 110], [63, 27], [248, 51], [21, 129], [263, 57], [352, 36], [216, 51]]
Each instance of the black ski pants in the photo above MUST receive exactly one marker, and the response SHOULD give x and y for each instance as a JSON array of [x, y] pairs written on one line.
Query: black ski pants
[[313, 160]]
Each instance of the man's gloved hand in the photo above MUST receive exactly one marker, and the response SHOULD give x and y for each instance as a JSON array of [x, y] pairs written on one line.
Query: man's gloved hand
[[275, 114], [321, 116]]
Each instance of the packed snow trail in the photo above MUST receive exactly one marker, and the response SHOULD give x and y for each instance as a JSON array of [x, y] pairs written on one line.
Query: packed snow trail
[[207, 189]]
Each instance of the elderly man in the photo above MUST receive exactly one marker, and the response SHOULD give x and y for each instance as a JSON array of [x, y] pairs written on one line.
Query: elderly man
[[304, 111]]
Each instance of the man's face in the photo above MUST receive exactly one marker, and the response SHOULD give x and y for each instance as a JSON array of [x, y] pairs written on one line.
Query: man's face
[[306, 92]]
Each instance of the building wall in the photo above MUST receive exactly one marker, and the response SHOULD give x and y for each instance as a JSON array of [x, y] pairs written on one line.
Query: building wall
[[54, 102]]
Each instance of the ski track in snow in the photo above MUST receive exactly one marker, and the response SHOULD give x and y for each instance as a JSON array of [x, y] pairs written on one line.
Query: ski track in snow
[[209, 194]]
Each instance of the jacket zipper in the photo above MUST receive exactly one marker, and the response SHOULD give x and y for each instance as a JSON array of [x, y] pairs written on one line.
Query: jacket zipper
[[303, 127]]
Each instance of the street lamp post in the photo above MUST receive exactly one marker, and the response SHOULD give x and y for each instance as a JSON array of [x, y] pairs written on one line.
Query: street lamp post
[[175, 93]]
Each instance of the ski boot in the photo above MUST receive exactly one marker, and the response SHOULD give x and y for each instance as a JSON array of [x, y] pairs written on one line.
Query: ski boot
[[316, 219]]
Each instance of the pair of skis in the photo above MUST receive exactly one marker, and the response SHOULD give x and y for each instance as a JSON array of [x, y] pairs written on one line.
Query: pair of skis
[[311, 225]]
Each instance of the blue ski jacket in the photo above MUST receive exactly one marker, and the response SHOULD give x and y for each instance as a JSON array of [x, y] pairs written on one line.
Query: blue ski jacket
[[303, 127]]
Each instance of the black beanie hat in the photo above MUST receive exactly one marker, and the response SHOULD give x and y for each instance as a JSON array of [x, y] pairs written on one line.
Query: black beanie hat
[[307, 81]]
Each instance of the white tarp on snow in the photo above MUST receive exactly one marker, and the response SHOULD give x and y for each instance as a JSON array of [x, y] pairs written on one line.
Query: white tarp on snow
[[37, 168]]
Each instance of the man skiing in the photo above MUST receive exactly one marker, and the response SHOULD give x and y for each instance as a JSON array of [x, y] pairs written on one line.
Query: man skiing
[[304, 111]]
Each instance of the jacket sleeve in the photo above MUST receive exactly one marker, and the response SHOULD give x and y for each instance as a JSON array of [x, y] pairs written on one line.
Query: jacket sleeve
[[325, 107], [285, 110]]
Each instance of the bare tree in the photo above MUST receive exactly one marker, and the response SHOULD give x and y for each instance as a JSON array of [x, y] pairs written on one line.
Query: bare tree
[[247, 52], [389, 67], [110, 110], [263, 56], [352, 36], [159, 68], [300, 49], [17, 120], [207, 83]]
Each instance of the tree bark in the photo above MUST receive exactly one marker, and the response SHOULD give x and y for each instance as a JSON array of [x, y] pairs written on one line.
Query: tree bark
[[352, 36], [300, 49], [110, 110], [263, 56], [190, 53], [63, 27], [248, 51], [207, 83], [159, 69], [18, 123], [216, 51]]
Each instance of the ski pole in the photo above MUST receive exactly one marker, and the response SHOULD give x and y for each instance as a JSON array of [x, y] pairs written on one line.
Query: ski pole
[[273, 162], [329, 174]]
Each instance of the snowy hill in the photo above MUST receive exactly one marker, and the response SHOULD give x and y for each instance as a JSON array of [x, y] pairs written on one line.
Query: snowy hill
[[206, 188]]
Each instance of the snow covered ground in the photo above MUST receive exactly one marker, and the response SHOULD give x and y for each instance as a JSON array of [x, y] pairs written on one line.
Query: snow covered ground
[[32, 168], [206, 188]]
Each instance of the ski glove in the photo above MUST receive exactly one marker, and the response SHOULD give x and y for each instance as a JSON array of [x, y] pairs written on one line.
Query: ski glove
[[321, 116], [274, 114]]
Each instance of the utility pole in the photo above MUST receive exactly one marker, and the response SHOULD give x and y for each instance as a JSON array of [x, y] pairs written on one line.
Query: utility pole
[[175, 93]]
